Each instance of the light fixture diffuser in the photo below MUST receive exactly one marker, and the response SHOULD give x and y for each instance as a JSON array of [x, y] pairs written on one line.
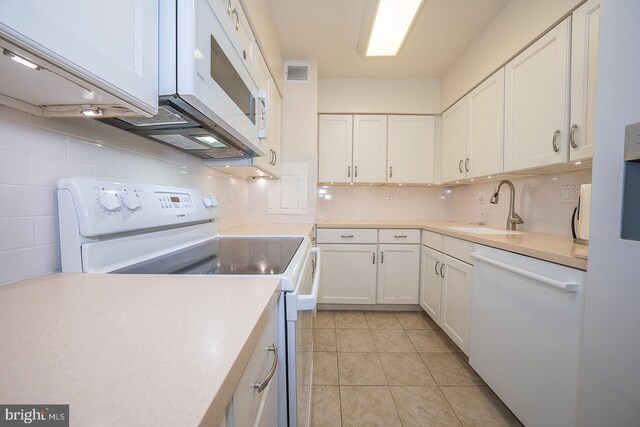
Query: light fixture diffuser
[[391, 23]]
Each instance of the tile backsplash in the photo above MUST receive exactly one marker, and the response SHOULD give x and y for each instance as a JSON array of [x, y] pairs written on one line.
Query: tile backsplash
[[36, 152], [383, 203], [538, 202]]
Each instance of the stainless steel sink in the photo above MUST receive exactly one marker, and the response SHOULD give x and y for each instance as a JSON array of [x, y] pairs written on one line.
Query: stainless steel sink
[[482, 230]]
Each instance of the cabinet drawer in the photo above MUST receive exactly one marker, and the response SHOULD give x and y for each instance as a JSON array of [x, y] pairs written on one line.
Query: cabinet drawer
[[399, 235], [247, 401], [347, 235], [433, 240], [457, 248]]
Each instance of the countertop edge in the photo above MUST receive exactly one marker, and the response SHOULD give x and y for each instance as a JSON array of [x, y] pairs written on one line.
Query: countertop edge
[[557, 258]]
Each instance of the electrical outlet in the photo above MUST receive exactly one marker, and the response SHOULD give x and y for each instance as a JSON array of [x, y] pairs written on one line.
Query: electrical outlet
[[570, 193], [482, 197], [389, 198]]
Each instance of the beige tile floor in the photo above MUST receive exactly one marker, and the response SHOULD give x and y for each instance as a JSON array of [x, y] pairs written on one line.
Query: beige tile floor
[[395, 369]]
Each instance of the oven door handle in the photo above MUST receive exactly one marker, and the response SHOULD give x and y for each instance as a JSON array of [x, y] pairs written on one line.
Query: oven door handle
[[309, 302]]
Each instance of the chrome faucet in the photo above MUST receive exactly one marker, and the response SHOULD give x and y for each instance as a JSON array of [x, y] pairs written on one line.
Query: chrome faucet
[[513, 217]]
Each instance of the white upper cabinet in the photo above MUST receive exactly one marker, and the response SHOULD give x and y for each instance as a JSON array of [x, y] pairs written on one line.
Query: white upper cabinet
[[369, 148], [335, 148], [584, 63], [537, 103], [454, 142], [485, 127], [410, 149], [112, 45]]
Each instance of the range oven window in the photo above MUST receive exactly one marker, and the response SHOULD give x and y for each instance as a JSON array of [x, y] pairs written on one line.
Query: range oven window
[[223, 72]]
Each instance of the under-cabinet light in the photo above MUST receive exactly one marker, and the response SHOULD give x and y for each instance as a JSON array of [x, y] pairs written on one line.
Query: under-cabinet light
[[92, 112], [20, 60], [392, 21], [209, 140]]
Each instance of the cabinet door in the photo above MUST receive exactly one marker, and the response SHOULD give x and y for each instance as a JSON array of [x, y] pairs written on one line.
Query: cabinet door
[[410, 148], [398, 274], [584, 63], [454, 141], [537, 101], [335, 145], [485, 127], [275, 125], [113, 44], [456, 300], [369, 148], [430, 282], [348, 274]]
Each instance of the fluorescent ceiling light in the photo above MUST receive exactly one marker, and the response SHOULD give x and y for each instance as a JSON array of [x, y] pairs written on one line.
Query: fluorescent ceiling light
[[392, 21], [20, 60]]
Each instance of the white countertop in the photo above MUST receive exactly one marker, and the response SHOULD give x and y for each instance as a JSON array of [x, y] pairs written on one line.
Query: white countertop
[[130, 350], [548, 247]]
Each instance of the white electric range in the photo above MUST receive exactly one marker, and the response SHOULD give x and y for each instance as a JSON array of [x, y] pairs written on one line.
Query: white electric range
[[129, 228]]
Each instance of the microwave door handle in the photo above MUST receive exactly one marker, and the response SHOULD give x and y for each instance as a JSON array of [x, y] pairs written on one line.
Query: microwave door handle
[[309, 302]]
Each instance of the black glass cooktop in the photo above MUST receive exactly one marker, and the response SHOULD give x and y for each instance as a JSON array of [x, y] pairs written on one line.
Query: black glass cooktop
[[226, 255]]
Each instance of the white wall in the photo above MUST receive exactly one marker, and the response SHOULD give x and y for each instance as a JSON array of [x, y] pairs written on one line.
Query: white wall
[[610, 379], [36, 152], [381, 96], [299, 145], [519, 23]]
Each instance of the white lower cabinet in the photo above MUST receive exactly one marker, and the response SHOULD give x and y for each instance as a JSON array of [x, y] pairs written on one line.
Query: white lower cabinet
[[369, 266], [348, 274], [457, 278], [445, 287], [398, 274], [249, 406]]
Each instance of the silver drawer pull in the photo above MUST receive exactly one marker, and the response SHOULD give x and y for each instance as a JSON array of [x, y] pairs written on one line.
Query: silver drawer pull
[[347, 236], [401, 236], [265, 382]]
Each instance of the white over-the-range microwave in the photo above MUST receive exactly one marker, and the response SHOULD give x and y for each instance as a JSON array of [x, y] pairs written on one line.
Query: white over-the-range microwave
[[210, 104]]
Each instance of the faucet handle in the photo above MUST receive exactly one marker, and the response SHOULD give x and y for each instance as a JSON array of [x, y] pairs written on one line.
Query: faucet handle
[[516, 219]]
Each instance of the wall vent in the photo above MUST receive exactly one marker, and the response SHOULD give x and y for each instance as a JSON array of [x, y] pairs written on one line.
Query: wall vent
[[296, 73]]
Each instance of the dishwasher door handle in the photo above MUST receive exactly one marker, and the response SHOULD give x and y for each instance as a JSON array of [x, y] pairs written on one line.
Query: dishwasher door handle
[[568, 287]]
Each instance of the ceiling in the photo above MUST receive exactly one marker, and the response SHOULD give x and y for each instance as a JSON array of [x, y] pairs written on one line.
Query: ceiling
[[327, 31]]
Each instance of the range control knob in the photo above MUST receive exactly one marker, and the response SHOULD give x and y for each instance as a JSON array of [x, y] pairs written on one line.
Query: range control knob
[[110, 202], [132, 202], [207, 201], [214, 201]]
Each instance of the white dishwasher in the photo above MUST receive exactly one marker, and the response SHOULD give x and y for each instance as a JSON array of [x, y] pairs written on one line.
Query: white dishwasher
[[525, 338]]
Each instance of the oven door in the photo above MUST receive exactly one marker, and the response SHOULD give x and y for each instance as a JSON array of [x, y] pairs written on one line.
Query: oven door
[[301, 304]]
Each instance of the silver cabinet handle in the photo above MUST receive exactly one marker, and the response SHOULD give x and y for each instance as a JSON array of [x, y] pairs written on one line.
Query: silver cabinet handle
[[348, 171], [390, 171], [400, 236], [460, 166], [235, 12], [381, 257], [260, 386], [553, 142], [466, 165], [374, 257], [347, 236], [228, 7], [275, 157], [572, 136], [436, 268], [442, 270], [356, 171]]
